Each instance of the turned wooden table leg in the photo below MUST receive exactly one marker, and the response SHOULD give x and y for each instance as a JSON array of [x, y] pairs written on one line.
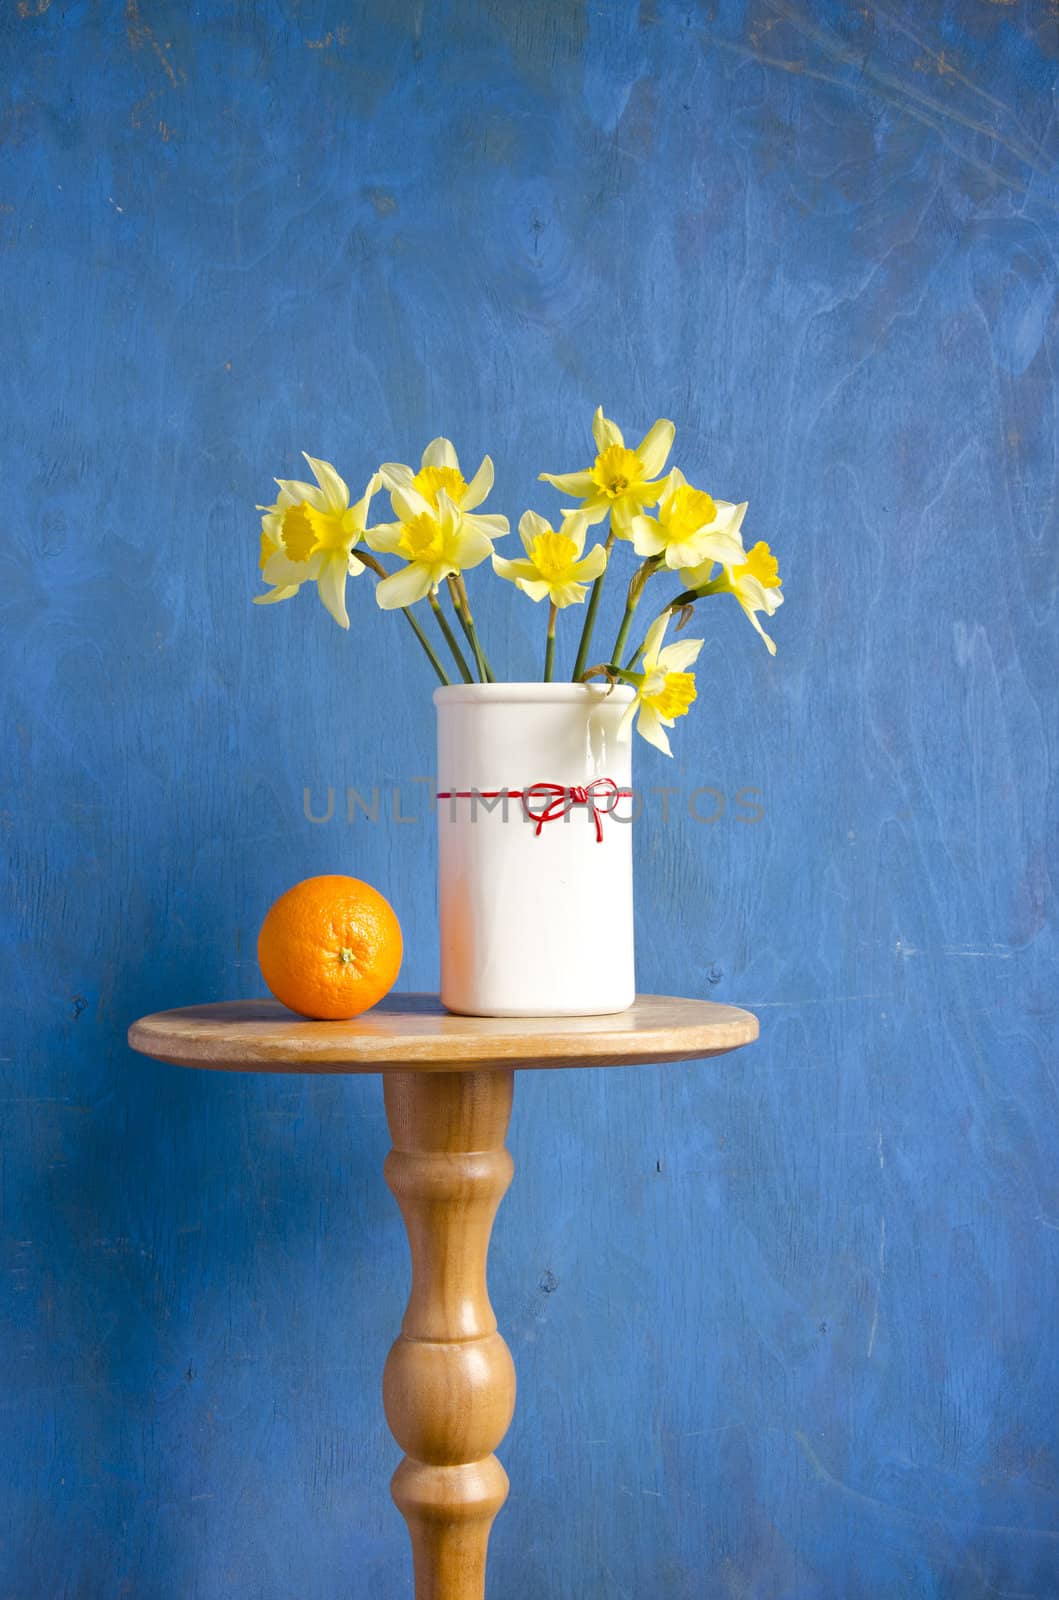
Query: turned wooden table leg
[[449, 1384]]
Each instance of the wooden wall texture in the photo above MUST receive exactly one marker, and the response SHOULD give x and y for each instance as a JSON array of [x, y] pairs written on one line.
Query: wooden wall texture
[[785, 1324]]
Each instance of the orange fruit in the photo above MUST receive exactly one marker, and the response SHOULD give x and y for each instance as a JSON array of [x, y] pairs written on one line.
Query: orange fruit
[[330, 947]]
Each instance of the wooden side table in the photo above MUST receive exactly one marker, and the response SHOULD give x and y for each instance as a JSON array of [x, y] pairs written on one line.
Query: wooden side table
[[449, 1383]]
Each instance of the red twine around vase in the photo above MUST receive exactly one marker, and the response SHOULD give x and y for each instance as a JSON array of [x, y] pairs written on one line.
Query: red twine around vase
[[559, 799]]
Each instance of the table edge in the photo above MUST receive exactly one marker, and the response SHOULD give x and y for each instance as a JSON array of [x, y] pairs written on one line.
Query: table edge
[[652, 1047]]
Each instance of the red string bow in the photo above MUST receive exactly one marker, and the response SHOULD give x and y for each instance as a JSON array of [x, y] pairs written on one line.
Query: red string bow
[[559, 800]]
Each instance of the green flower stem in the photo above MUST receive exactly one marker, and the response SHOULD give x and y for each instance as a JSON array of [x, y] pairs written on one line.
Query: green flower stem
[[687, 597], [425, 642], [458, 590], [613, 674], [636, 589], [623, 631], [549, 648], [592, 608], [380, 572], [450, 638]]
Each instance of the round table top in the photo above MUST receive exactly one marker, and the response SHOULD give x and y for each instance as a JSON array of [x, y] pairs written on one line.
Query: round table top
[[414, 1033]]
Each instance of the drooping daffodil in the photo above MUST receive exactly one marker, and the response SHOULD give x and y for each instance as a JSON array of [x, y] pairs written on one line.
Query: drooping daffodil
[[620, 480], [690, 526], [440, 469], [664, 689], [553, 567], [436, 541], [755, 582], [309, 535]]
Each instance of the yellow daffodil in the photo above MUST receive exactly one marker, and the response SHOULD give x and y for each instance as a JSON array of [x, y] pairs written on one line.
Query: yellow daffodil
[[440, 469], [619, 480], [665, 688], [690, 527], [308, 537], [755, 582], [435, 539], [553, 568]]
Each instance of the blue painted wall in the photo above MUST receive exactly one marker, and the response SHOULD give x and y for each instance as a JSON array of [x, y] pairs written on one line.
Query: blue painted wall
[[785, 1323]]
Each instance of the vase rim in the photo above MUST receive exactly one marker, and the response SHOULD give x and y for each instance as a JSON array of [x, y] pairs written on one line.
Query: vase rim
[[531, 693]]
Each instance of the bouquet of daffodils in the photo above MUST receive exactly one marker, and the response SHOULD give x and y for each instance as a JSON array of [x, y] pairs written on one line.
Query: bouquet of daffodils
[[313, 535]]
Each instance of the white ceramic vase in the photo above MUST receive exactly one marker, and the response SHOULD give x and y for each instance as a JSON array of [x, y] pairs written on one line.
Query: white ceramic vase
[[534, 817]]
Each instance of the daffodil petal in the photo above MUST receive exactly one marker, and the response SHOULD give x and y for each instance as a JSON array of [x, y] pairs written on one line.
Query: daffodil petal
[[449, 517], [514, 571], [580, 484], [678, 656], [298, 491], [722, 545], [567, 594], [531, 525], [755, 624], [441, 453], [593, 510], [605, 432], [271, 525], [279, 568], [355, 565], [479, 486], [331, 587], [589, 569], [283, 592], [657, 444], [359, 512], [385, 537], [649, 725], [696, 577], [334, 488], [470, 546], [652, 644], [396, 475], [403, 588], [283, 500], [575, 527], [751, 593], [730, 516], [647, 537], [491, 523], [535, 587], [711, 543], [409, 504], [621, 515]]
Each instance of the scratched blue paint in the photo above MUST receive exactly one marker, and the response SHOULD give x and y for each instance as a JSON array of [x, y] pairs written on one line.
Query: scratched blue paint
[[784, 1323]]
